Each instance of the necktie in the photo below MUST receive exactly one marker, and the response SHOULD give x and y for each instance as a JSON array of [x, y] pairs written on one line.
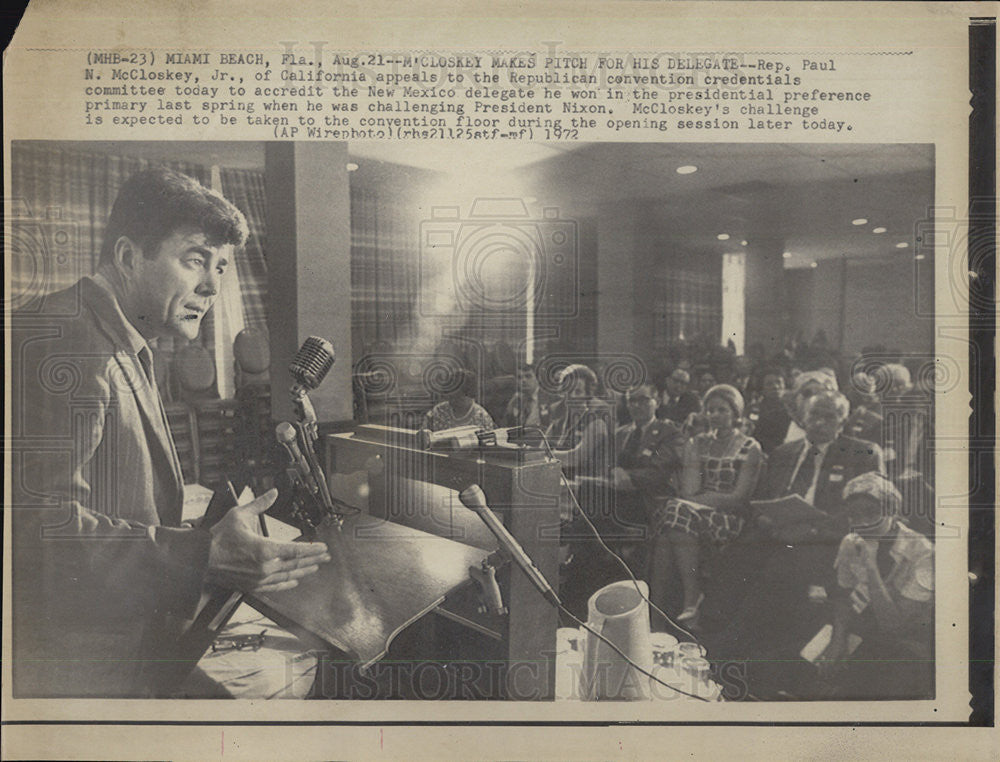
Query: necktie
[[631, 448], [807, 471], [146, 360]]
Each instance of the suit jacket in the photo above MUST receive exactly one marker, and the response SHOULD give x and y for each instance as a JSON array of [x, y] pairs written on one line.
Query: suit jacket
[[520, 407], [100, 561], [845, 458], [658, 459], [679, 408]]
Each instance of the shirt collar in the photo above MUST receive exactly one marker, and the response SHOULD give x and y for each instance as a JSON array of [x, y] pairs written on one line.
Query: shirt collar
[[134, 340], [821, 447]]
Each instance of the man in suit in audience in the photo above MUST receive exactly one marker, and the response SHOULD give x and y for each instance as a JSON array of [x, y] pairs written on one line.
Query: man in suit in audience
[[105, 575], [818, 465], [772, 569], [678, 401], [648, 455], [528, 406]]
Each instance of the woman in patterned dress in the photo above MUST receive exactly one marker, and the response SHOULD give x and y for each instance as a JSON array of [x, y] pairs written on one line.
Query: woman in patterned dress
[[719, 474], [459, 408]]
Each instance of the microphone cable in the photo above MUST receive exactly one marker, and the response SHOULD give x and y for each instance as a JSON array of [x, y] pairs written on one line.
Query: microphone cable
[[603, 544]]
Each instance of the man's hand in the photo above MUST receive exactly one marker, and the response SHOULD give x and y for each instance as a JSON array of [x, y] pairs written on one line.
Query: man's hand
[[239, 557]]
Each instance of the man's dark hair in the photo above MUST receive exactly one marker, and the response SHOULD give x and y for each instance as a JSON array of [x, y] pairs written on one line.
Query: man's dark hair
[[155, 203]]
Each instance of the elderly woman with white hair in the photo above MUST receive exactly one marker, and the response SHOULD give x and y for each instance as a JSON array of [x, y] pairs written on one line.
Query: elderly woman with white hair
[[885, 572]]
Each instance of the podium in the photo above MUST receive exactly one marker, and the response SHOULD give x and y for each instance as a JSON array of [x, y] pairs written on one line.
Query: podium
[[383, 471]]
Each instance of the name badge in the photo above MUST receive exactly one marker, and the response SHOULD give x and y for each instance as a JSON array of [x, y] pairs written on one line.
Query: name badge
[[836, 477]]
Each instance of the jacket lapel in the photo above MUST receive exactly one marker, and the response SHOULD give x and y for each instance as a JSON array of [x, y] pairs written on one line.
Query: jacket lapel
[[146, 396]]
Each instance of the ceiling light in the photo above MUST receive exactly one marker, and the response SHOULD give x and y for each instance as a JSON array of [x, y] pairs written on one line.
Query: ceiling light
[[787, 255], [918, 257], [723, 236], [859, 221], [687, 169], [902, 245], [878, 230], [352, 167], [814, 264], [743, 243]]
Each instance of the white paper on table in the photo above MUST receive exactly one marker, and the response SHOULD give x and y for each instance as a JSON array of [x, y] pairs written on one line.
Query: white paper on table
[[818, 644]]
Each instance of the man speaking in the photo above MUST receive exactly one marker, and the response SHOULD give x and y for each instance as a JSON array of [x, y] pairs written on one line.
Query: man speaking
[[104, 574]]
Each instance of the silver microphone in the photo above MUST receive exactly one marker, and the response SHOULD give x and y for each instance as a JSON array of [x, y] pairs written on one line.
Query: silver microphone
[[285, 433], [308, 369], [473, 498], [312, 362]]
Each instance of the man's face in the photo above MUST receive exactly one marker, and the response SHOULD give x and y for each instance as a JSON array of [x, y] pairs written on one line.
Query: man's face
[[823, 421], [174, 289], [642, 405], [676, 386], [526, 380], [808, 390], [773, 386]]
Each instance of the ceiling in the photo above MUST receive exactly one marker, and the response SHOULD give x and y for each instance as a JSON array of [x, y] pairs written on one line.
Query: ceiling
[[801, 196]]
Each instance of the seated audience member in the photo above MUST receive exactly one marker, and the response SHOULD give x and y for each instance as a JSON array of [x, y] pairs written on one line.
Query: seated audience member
[[817, 465], [459, 408], [720, 470], [706, 380], [865, 421], [806, 385], [885, 596], [775, 567], [769, 416], [648, 450], [528, 406], [580, 437], [580, 432], [648, 457], [906, 419], [677, 401]]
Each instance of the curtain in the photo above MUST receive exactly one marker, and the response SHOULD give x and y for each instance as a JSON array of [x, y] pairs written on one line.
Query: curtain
[[689, 306], [384, 268], [246, 189]]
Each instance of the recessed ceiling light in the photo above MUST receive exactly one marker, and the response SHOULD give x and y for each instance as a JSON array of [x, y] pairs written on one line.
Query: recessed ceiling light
[[902, 245], [859, 221], [878, 230], [743, 243], [723, 236], [814, 264], [687, 169], [787, 255], [918, 257], [352, 167]]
